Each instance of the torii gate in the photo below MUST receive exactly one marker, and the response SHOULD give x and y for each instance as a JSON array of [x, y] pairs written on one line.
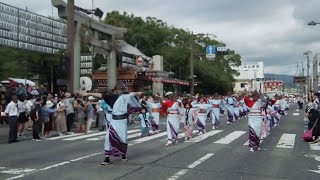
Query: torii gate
[[94, 28]]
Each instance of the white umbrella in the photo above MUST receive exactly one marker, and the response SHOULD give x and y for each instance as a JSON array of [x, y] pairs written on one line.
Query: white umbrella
[[22, 81]]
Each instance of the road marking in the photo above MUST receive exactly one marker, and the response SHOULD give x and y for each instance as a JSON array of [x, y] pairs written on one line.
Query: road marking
[[231, 137], [83, 136], [85, 157], [204, 136], [16, 171], [181, 135], [65, 136], [92, 135], [149, 138], [103, 137], [261, 141], [295, 114], [315, 147], [286, 141], [191, 166]]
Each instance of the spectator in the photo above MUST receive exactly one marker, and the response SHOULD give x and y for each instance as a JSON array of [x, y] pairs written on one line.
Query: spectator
[[12, 113], [81, 116], [20, 90], [69, 110], [100, 117], [89, 110], [61, 125], [23, 116], [36, 118], [30, 105], [46, 114]]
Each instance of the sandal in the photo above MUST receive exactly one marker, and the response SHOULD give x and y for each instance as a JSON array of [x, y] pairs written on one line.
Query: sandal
[[124, 160]]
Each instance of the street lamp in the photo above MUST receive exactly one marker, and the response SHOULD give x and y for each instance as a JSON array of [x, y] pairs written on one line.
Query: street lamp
[[312, 23]]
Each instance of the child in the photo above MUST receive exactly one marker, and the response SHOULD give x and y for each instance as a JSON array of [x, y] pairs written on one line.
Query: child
[[188, 121], [144, 118]]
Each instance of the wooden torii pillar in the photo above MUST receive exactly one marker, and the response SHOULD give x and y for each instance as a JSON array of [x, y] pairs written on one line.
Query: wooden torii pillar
[[93, 27]]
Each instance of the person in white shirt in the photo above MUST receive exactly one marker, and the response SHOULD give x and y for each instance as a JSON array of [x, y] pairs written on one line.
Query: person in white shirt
[[12, 113]]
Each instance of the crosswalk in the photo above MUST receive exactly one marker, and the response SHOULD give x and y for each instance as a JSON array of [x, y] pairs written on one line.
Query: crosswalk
[[285, 141]]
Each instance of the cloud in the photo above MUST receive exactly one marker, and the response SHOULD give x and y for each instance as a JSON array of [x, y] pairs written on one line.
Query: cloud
[[273, 31]]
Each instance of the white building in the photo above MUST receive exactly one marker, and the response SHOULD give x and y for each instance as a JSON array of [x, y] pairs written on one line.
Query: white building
[[250, 78], [316, 72]]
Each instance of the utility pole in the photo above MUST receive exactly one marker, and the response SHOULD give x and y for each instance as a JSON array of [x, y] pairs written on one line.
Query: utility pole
[[70, 43], [308, 75], [192, 62]]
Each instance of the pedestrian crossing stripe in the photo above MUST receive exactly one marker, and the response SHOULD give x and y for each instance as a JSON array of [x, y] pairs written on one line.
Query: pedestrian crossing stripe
[[230, 137], [204, 136], [315, 147], [131, 136], [93, 134], [286, 141]]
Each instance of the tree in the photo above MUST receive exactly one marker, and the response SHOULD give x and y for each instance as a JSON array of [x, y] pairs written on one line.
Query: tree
[[153, 36]]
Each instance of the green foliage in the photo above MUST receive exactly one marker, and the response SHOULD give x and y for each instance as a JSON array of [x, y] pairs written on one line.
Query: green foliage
[[17, 63], [153, 36]]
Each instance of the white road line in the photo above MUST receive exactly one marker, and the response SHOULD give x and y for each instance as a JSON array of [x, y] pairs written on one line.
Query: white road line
[[104, 136], [261, 141], [230, 137], [286, 141], [315, 147], [204, 136], [144, 139], [92, 135], [65, 136], [295, 114], [16, 171], [191, 166], [181, 135], [246, 143], [84, 136], [87, 156]]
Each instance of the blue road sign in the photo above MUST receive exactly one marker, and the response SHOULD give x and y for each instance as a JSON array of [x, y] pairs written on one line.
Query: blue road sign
[[211, 49]]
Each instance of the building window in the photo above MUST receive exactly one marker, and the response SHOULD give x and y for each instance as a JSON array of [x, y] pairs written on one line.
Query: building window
[[253, 66], [257, 66], [244, 66]]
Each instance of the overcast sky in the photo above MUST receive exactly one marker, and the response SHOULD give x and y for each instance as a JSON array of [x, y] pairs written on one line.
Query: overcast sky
[[273, 31]]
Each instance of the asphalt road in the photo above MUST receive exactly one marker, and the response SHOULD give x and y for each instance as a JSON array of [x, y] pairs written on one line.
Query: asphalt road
[[219, 154]]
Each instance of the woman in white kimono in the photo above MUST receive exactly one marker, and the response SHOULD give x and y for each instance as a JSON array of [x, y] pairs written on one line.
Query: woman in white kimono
[[116, 143], [236, 109], [174, 111], [230, 108], [155, 108], [215, 111], [202, 110], [255, 121]]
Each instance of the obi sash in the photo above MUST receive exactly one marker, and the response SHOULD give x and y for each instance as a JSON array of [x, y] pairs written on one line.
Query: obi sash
[[215, 106], [155, 110]]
